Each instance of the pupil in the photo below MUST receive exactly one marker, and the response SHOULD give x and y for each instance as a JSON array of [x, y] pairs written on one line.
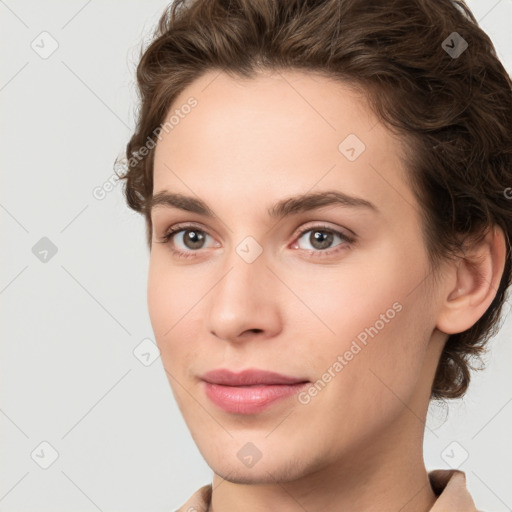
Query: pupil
[[323, 239], [194, 238]]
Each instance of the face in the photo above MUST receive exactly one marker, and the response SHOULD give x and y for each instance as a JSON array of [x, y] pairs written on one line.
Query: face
[[330, 291]]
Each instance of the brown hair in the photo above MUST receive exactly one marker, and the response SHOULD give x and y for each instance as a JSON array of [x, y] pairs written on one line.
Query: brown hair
[[453, 107]]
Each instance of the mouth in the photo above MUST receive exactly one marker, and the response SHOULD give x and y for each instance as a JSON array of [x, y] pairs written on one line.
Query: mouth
[[250, 391]]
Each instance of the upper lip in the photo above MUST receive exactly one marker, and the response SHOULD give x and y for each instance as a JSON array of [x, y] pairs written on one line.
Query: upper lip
[[248, 377]]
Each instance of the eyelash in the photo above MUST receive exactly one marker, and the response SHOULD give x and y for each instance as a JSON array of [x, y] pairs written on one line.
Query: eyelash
[[166, 238]]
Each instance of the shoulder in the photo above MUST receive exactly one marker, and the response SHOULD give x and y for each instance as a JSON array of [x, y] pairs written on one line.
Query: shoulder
[[199, 501]]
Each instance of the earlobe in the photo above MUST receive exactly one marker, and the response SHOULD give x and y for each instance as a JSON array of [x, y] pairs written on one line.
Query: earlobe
[[477, 277]]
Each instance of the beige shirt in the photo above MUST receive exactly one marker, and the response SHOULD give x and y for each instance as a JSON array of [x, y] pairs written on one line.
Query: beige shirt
[[448, 484]]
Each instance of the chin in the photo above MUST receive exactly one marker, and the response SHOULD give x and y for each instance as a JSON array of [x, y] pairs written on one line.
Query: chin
[[267, 470]]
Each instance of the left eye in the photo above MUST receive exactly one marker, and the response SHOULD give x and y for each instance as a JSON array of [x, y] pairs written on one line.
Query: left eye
[[321, 238]]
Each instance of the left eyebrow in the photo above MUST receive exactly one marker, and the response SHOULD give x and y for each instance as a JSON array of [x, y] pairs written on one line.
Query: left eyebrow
[[306, 202], [283, 208]]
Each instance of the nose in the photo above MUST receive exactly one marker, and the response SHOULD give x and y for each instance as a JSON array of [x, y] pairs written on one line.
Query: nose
[[245, 302]]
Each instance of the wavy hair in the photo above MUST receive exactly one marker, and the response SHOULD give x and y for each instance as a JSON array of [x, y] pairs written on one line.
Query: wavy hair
[[451, 104]]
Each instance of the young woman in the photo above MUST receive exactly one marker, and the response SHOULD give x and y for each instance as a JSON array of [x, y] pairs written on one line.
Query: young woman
[[326, 186]]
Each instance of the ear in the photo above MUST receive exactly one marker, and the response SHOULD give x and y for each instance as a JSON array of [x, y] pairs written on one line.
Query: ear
[[473, 283]]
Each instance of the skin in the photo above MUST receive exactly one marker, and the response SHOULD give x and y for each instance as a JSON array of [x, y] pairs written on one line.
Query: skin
[[357, 445]]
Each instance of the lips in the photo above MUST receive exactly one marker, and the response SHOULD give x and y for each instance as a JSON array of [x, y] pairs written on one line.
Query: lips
[[248, 377], [250, 391]]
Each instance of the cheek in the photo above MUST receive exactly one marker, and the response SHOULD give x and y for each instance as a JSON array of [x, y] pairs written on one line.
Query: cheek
[[169, 300], [169, 306], [176, 311], [375, 316], [170, 296], [370, 367], [159, 300]]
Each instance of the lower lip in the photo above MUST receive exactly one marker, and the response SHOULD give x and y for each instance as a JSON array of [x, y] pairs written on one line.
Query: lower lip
[[250, 399]]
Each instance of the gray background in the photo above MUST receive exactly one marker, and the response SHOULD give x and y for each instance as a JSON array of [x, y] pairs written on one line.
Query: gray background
[[70, 324]]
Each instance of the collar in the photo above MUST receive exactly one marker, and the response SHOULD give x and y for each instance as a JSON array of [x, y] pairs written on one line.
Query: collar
[[450, 487]]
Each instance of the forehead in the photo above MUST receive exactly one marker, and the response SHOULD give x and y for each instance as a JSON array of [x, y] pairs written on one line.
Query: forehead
[[292, 104], [273, 135]]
